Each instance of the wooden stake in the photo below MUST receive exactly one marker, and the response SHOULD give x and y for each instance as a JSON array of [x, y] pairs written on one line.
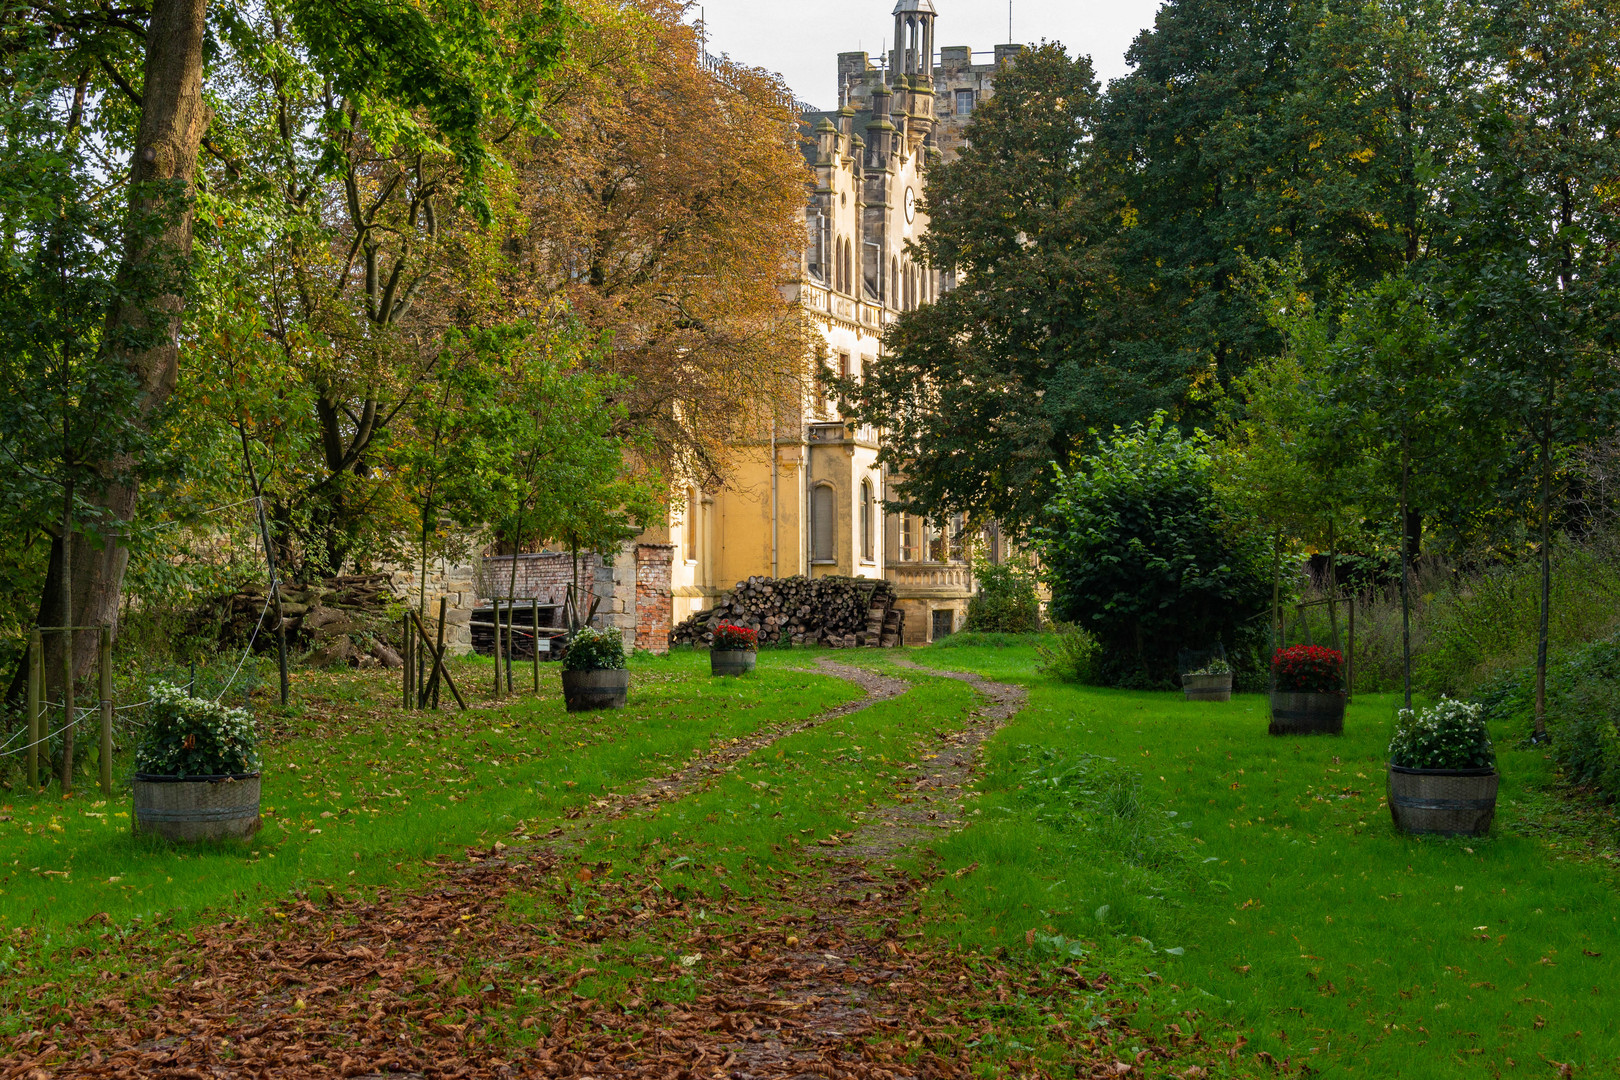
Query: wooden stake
[[421, 633], [534, 618], [105, 648], [511, 606], [495, 603], [430, 692], [408, 655], [438, 653], [36, 691]]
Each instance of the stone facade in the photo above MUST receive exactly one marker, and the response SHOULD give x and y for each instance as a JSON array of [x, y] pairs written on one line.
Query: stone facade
[[806, 496]]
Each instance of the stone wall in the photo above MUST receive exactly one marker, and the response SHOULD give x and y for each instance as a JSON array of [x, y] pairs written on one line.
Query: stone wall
[[456, 582], [633, 594]]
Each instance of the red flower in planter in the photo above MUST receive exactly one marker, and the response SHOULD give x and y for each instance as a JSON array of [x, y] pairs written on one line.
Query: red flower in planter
[[1308, 669], [730, 638]]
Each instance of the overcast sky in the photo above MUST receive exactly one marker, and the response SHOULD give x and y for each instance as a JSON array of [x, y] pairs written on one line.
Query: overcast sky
[[802, 39]]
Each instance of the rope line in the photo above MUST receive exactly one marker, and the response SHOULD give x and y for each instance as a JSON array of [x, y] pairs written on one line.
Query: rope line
[[41, 742], [251, 639]]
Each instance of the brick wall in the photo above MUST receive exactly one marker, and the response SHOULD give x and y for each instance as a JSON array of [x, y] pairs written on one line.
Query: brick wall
[[544, 576], [632, 594], [653, 596]]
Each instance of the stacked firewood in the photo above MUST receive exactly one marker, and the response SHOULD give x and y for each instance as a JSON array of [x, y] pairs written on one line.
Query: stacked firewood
[[342, 619], [841, 612]]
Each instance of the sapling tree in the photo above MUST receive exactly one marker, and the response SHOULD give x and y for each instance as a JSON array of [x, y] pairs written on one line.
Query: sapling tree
[[1535, 282], [1393, 377]]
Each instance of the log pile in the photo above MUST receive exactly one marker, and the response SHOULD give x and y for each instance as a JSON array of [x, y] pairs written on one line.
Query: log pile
[[342, 620], [839, 612]]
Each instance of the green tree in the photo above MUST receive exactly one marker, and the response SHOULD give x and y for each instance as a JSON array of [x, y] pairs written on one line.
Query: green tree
[[1140, 553], [981, 390], [566, 474]]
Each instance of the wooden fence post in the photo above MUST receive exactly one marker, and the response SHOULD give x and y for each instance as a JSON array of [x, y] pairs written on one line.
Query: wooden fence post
[[511, 607], [495, 604], [534, 619], [408, 668], [36, 691], [105, 648]]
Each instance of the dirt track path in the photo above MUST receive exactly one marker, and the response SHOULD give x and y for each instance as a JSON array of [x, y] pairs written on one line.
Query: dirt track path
[[712, 766]]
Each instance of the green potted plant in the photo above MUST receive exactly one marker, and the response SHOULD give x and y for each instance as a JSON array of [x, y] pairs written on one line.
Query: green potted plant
[[1211, 681], [196, 769], [734, 650], [1442, 770], [1307, 691], [594, 673]]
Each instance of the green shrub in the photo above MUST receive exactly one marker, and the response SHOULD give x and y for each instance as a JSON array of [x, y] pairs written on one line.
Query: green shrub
[[595, 650], [187, 736], [1140, 552], [1447, 735], [1006, 602], [1073, 656]]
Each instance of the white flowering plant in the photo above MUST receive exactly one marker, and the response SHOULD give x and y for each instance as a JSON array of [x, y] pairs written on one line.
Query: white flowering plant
[[1216, 666], [1448, 735], [187, 736], [595, 650]]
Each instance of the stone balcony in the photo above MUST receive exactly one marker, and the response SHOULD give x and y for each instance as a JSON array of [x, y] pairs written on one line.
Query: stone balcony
[[930, 580]]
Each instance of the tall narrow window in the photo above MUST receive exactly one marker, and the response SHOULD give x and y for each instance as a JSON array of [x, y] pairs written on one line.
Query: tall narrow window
[[868, 530], [894, 282], [690, 531], [908, 538], [843, 365], [823, 523]]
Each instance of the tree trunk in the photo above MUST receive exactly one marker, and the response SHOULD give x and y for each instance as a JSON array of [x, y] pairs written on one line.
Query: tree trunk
[[173, 121], [1546, 586], [1333, 584], [1276, 591], [1406, 591]]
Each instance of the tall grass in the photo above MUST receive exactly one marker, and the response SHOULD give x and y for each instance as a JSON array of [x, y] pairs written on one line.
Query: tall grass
[[1470, 627]]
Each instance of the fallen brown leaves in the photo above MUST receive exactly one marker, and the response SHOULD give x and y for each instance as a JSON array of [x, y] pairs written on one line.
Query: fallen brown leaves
[[429, 983]]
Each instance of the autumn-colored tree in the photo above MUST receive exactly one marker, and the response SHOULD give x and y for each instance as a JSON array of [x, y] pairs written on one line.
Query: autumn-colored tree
[[666, 213]]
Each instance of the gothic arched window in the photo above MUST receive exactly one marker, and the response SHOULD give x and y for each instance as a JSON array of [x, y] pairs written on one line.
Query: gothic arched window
[[868, 531]]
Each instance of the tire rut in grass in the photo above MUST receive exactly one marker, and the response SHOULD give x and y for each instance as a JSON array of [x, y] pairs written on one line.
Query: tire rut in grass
[[932, 801], [713, 765]]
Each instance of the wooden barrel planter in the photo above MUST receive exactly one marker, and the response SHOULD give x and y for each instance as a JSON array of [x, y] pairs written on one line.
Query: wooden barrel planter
[[1306, 714], [732, 661], [1442, 802], [1207, 687], [587, 690], [192, 808]]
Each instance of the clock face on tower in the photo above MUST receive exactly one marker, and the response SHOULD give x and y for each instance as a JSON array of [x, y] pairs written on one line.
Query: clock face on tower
[[911, 205]]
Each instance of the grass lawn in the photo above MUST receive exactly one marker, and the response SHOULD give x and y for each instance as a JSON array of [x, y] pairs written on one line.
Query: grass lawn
[[1300, 915], [359, 792], [1232, 886]]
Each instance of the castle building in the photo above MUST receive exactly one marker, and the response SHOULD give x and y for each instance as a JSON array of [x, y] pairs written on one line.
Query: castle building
[[807, 497]]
